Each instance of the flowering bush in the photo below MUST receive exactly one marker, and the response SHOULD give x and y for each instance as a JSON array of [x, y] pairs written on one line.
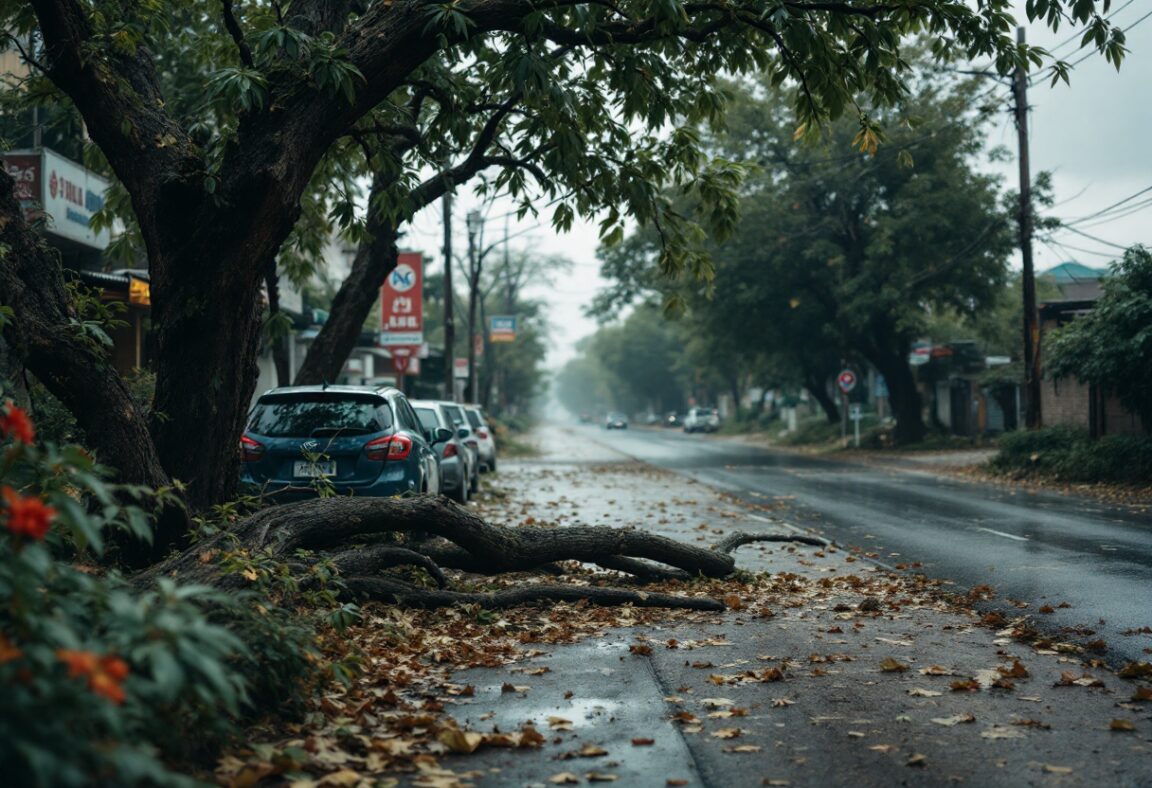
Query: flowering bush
[[101, 682]]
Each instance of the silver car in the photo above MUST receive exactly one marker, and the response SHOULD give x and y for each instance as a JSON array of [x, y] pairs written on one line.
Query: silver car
[[487, 437], [464, 430], [702, 420], [457, 461]]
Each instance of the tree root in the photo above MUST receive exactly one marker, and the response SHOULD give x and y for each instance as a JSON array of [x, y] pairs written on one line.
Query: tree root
[[351, 532]]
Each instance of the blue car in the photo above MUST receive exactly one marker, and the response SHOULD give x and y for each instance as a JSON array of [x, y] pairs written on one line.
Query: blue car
[[350, 440]]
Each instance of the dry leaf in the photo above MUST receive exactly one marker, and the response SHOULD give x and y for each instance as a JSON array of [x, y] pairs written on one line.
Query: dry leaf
[[936, 670], [599, 777], [1057, 769], [1136, 670], [955, 719], [916, 692], [564, 778], [883, 747], [919, 759], [779, 703], [1142, 693], [727, 733], [560, 724], [460, 741], [643, 742], [743, 748], [591, 751], [1000, 732], [1121, 725], [717, 702], [733, 602], [643, 649], [889, 665]]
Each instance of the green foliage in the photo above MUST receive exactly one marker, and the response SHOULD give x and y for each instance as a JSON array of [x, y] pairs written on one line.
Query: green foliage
[[1070, 455], [1111, 346], [103, 682]]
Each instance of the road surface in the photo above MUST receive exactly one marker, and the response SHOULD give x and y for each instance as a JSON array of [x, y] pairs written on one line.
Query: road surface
[[1043, 549]]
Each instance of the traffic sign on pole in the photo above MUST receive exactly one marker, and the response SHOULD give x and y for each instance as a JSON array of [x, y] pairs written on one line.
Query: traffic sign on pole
[[846, 380]]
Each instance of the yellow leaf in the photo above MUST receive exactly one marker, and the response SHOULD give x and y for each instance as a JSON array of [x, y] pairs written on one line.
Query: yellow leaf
[[1121, 725], [564, 778], [889, 665], [460, 741]]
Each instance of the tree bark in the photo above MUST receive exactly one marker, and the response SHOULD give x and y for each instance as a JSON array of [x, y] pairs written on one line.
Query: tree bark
[[819, 391], [326, 524], [375, 259], [902, 392], [43, 335]]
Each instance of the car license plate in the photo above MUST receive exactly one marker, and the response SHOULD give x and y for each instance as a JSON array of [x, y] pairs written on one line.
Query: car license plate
[[314, 470]]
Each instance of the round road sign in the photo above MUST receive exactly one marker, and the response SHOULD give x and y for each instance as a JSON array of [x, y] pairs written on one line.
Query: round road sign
[[846, 380]]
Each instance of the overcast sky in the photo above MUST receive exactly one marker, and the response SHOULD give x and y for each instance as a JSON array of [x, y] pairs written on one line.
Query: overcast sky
[[1094, 136]]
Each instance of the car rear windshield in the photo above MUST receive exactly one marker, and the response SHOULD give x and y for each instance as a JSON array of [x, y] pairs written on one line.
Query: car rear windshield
[[473, 418], [319, 415], [455, 413], [427, 418]]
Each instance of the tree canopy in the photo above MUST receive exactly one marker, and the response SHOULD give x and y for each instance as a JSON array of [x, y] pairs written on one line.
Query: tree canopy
[[1111, 346]]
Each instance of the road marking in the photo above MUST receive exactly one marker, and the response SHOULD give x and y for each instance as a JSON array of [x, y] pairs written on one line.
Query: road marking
[[1006, 536]]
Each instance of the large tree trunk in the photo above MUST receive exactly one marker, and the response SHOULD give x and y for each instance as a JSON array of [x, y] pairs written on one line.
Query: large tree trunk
[[76, 371], [903, 394], [818, 388], [375, 259]]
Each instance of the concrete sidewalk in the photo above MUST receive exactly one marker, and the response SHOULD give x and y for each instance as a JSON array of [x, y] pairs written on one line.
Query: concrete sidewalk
[[825, 670]]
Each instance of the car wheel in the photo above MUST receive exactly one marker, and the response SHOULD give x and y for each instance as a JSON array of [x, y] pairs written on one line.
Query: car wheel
[[474, 483], [492, 465], [462, 491]]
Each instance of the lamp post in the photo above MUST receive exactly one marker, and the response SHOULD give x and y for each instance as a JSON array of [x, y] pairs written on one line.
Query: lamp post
[[475, 224]]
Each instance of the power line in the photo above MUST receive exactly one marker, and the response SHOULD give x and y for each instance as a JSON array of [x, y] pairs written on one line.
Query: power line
[[1117, 204], [1080, 33], [1093, 238], [1131, 210]]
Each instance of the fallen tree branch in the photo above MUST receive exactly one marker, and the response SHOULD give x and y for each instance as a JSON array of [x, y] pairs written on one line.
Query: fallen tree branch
[[733, 541]]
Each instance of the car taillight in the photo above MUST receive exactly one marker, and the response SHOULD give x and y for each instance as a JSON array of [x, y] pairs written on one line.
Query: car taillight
[[393, 447], [449, 450], [482, 433], [250, 450]]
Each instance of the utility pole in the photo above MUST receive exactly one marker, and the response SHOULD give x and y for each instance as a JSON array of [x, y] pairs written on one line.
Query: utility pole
[[1032, 415], [449, 320], [474, 223]]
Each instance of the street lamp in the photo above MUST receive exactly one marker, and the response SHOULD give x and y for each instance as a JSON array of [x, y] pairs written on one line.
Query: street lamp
[[474, 221]]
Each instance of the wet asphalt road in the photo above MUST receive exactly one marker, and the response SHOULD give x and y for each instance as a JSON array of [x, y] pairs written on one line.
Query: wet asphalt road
[[1040, 549]]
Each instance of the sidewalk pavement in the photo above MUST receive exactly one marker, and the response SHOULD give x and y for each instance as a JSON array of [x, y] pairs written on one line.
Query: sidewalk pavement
[[825, 670]]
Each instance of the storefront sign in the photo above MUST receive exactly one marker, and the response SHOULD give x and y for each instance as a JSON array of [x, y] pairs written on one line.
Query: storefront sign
[[502, 328], [402, 302], [63, 192]]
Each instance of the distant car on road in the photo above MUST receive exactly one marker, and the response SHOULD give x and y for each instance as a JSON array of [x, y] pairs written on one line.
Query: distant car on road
[[616, 421], [301, 440], [702, 420], [456, 461]]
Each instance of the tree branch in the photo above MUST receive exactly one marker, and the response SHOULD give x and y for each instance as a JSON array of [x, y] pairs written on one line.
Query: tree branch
[[237, 34]]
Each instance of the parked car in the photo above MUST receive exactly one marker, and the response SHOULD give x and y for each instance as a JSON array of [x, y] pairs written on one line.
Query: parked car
[[465, 432], [457, 461], [616, 421], [702, 420], [487, 438], [671, 419], [354, 440]]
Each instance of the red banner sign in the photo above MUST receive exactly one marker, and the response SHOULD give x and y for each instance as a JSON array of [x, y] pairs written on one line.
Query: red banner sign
[[402, 302]]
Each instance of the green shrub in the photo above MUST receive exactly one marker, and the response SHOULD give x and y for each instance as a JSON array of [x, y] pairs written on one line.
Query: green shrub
[[102, 682], [1068, 454]]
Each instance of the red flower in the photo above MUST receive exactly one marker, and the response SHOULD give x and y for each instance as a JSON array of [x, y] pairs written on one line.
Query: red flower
[[104, 674], [8, 652], [27, 516], [14, 423]]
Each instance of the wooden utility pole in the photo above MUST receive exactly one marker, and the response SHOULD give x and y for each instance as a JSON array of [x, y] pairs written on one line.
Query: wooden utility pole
[[475, 224], [449, 320], [1032, 415]]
